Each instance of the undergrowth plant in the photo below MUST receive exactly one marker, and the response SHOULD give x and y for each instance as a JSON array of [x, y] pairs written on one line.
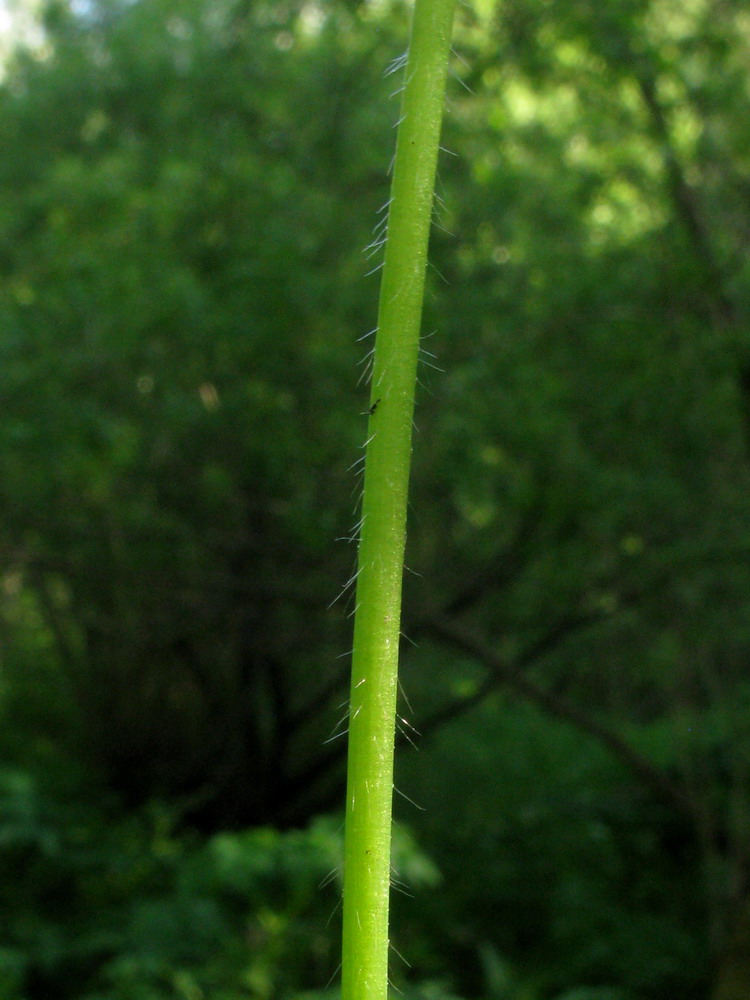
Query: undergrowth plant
[[372, 710]]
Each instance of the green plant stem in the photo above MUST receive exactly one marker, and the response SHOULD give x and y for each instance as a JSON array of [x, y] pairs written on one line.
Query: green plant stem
[[383, 531]]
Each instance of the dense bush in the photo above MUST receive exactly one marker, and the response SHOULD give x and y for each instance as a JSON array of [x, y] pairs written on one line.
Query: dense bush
[[100, 904]]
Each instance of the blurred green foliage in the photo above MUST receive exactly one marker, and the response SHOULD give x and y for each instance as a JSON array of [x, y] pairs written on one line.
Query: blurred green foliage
[[560, 871], [185, 192], [99, 904]]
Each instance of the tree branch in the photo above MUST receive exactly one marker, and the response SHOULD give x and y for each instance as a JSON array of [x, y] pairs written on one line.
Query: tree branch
[[684, 201], [504, 673]]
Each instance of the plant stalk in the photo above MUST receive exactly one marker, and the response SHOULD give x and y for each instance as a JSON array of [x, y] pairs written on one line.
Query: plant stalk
[[372, 710]]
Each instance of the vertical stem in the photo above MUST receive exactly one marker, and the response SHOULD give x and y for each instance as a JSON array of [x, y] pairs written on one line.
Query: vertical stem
[[383, 533]]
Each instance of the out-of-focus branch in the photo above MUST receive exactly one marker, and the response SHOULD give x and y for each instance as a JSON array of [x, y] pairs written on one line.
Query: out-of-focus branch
[[512, 675], [723, 312]]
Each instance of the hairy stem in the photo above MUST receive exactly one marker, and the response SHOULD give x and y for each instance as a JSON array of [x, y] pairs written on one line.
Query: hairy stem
[[383, 531]]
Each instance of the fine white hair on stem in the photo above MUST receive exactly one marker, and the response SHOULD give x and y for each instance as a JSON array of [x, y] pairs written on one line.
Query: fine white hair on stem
[[424, 354], [438, 273], [338, 967], [396, 64], [411, 801], [336, 736], [407, 723], [357, 529], [403, 732], [360, 497], [367, 363], [332, 874], [423, 350], [381, 224], [457, 54], [374, 269], [337, 730], [380, 236], [438, 200], [404, 85], [372, 248], [401, 887], [394, 948], [347, 586], [358, 489], [394, 987], [366, 357], [439, 225], [354, 611], [330, 918], [423, 385], [405, 696], [439, 210], [380, 231], [366, 373], [463, 83]]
